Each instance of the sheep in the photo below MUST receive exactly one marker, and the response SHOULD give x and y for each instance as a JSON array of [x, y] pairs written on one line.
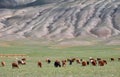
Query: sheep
[[15, 65]]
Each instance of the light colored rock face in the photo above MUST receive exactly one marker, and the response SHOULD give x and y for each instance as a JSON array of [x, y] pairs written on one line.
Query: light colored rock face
[[19, 3], [60, 19], [12, 3]]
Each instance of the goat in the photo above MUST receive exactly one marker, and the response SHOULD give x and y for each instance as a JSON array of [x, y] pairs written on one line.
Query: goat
[[15, 65]]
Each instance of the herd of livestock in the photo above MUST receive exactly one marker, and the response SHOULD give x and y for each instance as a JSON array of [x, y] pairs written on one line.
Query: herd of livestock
[[61, 63]]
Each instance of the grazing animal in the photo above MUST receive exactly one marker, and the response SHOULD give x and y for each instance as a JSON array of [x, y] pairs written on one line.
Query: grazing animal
[[71, 60], [15, 65], [88, 63], [57, 63], [48, 60], [2, 63], [105, 62], [84, 63], [101, 63], [23, 59], [93, 62], [39, 64], [78, 61], [21, 62], [64, 63], [112, 59]]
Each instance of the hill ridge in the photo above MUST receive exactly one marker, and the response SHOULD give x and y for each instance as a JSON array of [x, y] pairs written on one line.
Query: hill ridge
[[63, 19]]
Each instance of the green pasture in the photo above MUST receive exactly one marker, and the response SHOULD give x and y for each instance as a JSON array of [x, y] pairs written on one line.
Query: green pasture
[[36, 51]]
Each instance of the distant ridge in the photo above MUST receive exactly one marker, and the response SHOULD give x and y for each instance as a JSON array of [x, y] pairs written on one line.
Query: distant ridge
[[59, 19]]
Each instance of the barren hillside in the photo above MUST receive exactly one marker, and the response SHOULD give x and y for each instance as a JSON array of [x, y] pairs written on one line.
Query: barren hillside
[[59, 19]]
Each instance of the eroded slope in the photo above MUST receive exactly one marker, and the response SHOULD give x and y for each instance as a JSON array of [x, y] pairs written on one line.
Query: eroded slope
[[62, 19]]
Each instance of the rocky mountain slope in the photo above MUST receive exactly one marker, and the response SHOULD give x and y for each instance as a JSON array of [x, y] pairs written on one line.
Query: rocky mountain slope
[[59, 19]]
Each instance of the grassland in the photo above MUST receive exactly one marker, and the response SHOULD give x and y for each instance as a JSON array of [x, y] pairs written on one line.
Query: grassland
[[37, 51]]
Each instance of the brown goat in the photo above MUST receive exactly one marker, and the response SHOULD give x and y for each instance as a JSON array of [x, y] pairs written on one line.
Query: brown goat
[[64, 63], [101, 63], [105, 62], [39, 64], [15, 65], [78, 61], [93, 62], [84, 63], [3, 63]]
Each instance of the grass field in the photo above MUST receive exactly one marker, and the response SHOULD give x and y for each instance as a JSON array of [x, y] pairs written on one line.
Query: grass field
[[37, 52]]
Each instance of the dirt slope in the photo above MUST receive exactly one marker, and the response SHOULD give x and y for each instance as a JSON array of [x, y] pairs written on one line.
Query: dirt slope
[[59, 19]]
